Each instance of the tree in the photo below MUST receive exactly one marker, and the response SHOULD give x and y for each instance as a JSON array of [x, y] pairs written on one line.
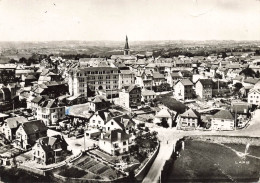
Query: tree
[[238, 86], [248, 72]]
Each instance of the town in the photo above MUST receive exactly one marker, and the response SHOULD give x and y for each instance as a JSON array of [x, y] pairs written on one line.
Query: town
[[107, 118]]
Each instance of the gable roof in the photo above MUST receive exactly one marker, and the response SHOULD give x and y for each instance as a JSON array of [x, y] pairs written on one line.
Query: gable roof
[[186, 82], [190, 113], [146, 92], [113, 136], [223, 114], [157, 75], [205, 81], [47, 142], [32, 127], [163, 113], [14, 122]]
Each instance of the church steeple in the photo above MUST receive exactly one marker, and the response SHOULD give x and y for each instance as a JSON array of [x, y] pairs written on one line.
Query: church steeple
[[126, 49]]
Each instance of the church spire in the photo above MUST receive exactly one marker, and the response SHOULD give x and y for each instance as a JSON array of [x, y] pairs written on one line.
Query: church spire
[[126, 49]]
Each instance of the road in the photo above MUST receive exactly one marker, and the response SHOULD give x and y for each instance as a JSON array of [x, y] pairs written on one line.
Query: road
[[172, 135]]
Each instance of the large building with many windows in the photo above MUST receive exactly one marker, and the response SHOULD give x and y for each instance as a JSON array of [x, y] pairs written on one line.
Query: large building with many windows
[[96, 78]]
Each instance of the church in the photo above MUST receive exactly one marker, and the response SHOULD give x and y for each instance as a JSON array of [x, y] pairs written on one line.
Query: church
[[126, 56]]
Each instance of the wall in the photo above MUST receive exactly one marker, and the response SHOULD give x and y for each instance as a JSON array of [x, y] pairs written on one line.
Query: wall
[[142, 173], [227, 139]]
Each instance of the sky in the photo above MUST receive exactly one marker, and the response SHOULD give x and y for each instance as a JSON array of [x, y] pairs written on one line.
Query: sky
[[91, 20]]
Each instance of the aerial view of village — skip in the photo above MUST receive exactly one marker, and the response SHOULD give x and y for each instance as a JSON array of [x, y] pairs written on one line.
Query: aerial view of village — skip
[[129, 91]]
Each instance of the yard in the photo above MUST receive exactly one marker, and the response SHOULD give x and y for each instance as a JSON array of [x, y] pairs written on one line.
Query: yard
[[90, 168], [207, 162]]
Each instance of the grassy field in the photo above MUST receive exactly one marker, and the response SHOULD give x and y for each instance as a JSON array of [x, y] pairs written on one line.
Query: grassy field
[[209, 162], [252, 150]]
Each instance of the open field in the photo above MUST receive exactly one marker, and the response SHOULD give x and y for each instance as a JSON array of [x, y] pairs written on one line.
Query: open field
[[209, 162]]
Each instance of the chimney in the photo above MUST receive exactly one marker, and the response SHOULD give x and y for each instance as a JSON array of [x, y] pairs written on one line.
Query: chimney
[[119, 136]]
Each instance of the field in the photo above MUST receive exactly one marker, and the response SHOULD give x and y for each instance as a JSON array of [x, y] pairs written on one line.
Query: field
[[209, 162]]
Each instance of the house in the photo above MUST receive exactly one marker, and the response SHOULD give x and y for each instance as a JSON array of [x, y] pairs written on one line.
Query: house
[[130, 96], [222, 120], [254, 96], [164, 115], [126, 77], [99, 102], [144, 79], [147, 95], [11, 125], [158, 79], [241, 112], [190, 119], [50, 111], [124, 122], [203, 88], [172, 78], [183, 89], [28, 132], [48, 150], [115, 142], [99, 119]]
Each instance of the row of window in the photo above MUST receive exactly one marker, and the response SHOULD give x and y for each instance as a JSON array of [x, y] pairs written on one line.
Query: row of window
[[97, 72]]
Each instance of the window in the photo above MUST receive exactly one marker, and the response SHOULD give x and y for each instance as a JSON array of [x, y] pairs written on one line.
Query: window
[[112, 123], [124, 143], [93, 121]]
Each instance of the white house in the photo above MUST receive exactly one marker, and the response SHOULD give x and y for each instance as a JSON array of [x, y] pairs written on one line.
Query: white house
[[222, 120], [183, 89], [188, 120], [120, 122], [115, 142], [99, 119], [147, 95]]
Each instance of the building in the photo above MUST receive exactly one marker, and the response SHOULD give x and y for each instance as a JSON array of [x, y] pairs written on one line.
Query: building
[[11, 125], [120, 122], [188, 120], [50, 111], [130, 96], [147, 95], [126, 77], [163, 116], [99, 103], [29, 132], [126, 49], [99, 119], [203, 88], [94, 78], [183, 89], [222, 120], [48, 150], [7, 73], [144, 79], [158, 79], [115, 142]]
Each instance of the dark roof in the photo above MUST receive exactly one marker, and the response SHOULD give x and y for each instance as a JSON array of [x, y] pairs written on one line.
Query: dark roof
[[113, 135], [37, 99], [186, 73], [223, 114], [47, 142], [205, 81], [186, 82], [32, 127]]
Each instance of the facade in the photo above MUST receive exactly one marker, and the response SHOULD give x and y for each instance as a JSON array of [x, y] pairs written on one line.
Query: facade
[[144, 79], [96, 78], [99, 119], [115, 142], [120, 122], [28, 133], [7, 73], [126, 77], [188, 120], [147, 95], [10, 126], [99, 102], [203, 88], [254, 96], [130, 96], [183, 89], [48, 150], [222, 120], [165, 115], [50, 112]]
